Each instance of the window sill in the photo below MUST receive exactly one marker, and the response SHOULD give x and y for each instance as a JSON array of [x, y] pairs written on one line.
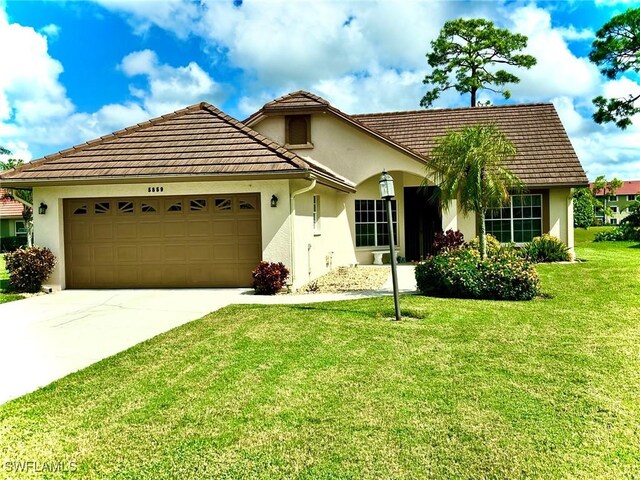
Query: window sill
[[302, 146]]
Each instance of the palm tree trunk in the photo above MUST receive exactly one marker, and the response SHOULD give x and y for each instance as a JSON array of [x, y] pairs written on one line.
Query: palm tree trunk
[[483, 235]]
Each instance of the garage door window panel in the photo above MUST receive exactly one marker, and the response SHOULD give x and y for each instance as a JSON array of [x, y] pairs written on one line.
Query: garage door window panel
[[102, 208]]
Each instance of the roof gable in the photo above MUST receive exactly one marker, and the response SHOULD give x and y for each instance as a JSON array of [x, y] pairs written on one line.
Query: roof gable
[[304, 102], [544, 156], [196, 141]]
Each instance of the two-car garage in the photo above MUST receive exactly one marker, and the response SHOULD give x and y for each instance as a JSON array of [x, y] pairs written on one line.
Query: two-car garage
[[162, 241]]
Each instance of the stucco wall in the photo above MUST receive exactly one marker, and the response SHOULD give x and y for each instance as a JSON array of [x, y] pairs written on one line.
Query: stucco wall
[[331, 246], [561, 215], [344, 148], [49, 228]]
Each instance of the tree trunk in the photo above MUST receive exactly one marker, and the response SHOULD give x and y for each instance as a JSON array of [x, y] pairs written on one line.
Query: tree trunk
[[473, 96], [483, 236]]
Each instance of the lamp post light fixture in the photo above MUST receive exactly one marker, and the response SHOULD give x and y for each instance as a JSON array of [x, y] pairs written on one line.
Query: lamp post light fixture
[[42, 209], [387, 193]]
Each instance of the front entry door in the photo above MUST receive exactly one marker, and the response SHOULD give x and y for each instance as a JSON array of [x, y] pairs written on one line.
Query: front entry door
[[422, 219]]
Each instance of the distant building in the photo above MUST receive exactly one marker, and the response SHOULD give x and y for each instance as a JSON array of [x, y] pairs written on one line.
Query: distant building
[[11, 222], [618, 203]]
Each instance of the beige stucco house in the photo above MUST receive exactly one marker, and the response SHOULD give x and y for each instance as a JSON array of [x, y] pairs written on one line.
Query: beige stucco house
[[196, 198]]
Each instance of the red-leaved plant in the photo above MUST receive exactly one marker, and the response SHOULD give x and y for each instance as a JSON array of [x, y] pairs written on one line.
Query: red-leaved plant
[[269, 277], [447, 241], [29, 267]]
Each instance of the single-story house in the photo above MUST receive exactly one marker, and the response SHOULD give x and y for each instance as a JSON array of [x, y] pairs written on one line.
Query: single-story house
[[197, 198], [619, 202], [12, 223]]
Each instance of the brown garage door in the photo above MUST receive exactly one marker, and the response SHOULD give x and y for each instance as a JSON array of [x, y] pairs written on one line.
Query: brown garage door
[[187, 241]]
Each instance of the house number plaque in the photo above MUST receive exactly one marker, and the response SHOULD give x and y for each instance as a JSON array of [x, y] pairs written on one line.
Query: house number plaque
[[155, 189]]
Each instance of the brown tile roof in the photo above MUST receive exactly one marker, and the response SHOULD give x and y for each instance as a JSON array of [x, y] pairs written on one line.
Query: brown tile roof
[[629, 187], [304, 102], [545, 155], [299, 99], [199, 140], [8, 207]]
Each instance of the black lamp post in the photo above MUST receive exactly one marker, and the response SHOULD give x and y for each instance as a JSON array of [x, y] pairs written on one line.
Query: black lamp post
[[387, 193]]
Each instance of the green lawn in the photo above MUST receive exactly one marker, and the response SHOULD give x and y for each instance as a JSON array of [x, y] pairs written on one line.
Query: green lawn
[[460, 389], [582, 235], [4, 283]]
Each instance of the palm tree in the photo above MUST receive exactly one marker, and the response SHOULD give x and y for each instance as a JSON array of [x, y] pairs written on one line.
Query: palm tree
[[468, 165]]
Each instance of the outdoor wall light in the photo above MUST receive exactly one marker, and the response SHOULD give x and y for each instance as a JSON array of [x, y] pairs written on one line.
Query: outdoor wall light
[[386, 186], [42, 209], [274, 201]]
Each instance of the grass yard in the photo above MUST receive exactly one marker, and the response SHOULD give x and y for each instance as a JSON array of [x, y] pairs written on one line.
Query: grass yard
[[4, 283], [459, 389], [582, 235]]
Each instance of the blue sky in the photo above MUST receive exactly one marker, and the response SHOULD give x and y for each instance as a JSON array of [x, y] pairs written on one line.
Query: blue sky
[[75, 70]]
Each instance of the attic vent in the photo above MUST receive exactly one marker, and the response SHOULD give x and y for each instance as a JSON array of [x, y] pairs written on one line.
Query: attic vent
[[298, 129]]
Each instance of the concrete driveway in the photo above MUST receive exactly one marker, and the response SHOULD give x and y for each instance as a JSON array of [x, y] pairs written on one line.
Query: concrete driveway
[[47, 337]]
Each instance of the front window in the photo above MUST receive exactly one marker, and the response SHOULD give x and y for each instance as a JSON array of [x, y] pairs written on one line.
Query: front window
[[316, 214], [631, 198], [613, 198], [371, 223], [519, 221]]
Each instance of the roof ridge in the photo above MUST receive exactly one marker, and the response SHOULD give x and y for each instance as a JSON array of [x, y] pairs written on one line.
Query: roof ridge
[[397, 112], [297, 93]]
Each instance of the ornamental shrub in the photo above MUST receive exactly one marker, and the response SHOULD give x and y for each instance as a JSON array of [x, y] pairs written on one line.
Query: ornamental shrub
[[623, 232], [462, 274], [449, 240], [269, 277], [28, 268], [546, 248], [493, 245]]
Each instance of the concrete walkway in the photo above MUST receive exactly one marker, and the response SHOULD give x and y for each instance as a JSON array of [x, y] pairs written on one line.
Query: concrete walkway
[[47, 337]]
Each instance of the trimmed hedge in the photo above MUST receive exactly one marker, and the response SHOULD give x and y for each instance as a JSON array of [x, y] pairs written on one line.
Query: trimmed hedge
[[9, 244], [462, 274], [28, 268]]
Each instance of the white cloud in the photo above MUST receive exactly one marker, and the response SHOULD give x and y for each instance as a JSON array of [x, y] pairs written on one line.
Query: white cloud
[[572, 33], [52, 31], [177, 16], [558, 71], [169, 88], [36, 113]]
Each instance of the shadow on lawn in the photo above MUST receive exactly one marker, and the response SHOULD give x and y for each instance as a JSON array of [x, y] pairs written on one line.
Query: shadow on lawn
[[386, 313]]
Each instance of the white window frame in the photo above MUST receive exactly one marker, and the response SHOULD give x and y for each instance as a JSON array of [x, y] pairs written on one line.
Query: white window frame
[[631, 197], [613, 198], [316, 215], [614, 209], [378, 205], [511, 218]]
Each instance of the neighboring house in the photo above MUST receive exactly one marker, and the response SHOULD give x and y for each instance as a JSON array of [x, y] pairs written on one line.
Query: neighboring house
[[197, 198], [618, 203], [11, 222]]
